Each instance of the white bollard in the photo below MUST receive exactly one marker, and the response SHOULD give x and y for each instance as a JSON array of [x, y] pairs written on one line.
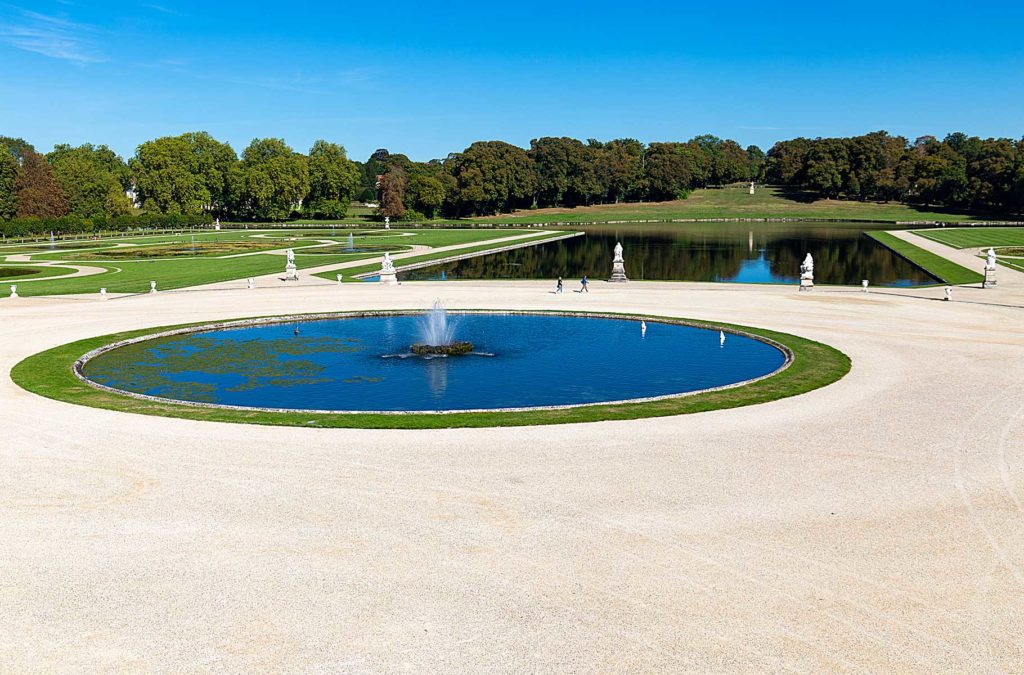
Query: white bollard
[[103, 293], [152, 287], [949, 293], [339, 280], [864, 284], [14, 291]]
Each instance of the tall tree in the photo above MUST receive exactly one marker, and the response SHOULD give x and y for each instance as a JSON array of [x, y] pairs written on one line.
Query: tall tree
[[333, 180], [212, 162], [426, 193], [392, 192], [37, 191], [566, 172], [271, 180], [755, 163], [166, 176], [92, 178], [8, 173], [619, 166], [491, 176]]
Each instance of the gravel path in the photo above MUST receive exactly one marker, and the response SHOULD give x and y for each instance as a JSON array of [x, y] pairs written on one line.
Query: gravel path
[[874, 525]]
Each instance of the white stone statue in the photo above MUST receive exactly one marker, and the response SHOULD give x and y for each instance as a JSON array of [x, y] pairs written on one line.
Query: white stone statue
[[990, 262], [387, 222], [990, 269], [751, 187], [807, 274], [14, 291], [291, 272], [387, 271], [152, 287], [618, 265]]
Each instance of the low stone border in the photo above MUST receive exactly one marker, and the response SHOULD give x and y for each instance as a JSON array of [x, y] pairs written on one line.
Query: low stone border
[[81, 362]]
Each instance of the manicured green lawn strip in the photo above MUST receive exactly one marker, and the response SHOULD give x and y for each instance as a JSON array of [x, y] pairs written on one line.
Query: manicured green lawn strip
[[937, 266], [1013, 263], [37, 272], [350, 273], [971, 237], [133, 276], [815, 365]]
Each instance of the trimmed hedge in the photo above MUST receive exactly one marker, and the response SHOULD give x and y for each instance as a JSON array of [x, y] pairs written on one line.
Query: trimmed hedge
[[34, 227]]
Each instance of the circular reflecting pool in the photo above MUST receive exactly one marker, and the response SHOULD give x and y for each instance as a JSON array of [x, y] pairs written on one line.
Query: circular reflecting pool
[[363, 363]]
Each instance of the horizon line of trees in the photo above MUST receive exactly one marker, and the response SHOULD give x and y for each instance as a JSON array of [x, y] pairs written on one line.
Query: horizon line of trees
[[195, 175]]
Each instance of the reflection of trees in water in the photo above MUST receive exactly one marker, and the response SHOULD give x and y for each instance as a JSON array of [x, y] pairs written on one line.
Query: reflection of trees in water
[[841, 255]]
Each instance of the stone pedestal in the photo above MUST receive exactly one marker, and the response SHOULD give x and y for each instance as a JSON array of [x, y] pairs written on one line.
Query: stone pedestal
[[618, 272], [618, 266], [990, 278], [291, 273], [806, 283], [389, 278]]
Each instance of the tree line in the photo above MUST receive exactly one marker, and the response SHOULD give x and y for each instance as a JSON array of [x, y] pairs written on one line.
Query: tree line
[[196, 176], [959, 171]]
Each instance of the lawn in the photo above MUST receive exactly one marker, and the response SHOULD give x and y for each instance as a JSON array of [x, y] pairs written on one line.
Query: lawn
[[181, 269], [352, 272], [972, 237], [734, 201], [939, 267]]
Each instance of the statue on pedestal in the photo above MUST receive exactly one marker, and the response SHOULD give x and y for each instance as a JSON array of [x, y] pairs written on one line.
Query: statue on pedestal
[[618, 265], [751, 187], [291, 273], [387, 271], [807, 274], [387, 222], [990, 269]]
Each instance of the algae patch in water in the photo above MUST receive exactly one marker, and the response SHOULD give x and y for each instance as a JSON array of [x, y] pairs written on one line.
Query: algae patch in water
[[182, 368]]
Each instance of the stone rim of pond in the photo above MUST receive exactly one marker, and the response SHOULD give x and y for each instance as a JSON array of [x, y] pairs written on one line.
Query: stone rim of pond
[[80, 362]]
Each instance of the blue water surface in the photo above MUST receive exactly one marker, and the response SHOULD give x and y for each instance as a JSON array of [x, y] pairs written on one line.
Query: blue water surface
[[521, 361]]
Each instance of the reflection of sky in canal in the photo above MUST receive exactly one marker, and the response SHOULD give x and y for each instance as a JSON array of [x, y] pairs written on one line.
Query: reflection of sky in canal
[[736, 252]]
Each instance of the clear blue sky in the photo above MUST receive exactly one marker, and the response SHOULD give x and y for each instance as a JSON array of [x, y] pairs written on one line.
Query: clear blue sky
[[428, 78]]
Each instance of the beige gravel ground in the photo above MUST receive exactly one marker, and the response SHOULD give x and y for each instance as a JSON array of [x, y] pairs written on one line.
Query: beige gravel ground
[[874, 525]]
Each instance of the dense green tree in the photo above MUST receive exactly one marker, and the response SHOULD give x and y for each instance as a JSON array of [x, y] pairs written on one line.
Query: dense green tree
[[755, 163], [671, 170], [333, 180], [426, 194], [212, 163], [16, 147], [566, 172], [93, 179], [490, 177], [37, 192], [166, 177], [619, 166], [270, 182], [940, 175], [8, 172], [188, 174]]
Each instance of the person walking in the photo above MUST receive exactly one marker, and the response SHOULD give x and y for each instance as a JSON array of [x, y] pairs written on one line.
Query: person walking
[[558, 288], [583, 282]]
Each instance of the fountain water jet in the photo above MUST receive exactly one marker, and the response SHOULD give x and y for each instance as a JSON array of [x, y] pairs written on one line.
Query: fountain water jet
[[437, 334]]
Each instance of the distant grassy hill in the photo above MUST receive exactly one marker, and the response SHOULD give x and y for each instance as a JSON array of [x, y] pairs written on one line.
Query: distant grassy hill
[[734, 201]]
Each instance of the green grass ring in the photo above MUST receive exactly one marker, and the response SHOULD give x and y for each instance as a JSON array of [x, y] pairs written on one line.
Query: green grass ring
[[812, 365]]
